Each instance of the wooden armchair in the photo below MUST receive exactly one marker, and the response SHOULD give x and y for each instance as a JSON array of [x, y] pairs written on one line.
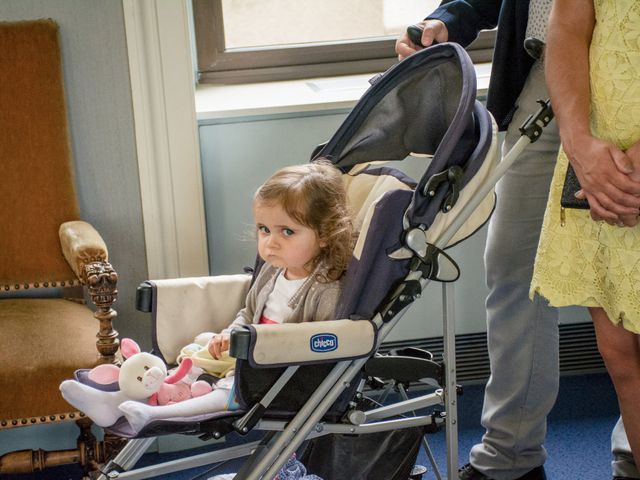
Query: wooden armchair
[[49, 258]]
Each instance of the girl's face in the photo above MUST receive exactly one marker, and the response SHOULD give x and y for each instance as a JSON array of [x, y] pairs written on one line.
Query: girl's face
[[283, 242]]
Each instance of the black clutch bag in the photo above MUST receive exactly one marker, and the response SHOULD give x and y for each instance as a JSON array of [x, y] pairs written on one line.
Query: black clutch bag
[[569, 189]]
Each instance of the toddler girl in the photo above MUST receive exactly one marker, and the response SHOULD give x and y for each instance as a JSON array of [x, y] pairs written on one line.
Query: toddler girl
[[305, 236]]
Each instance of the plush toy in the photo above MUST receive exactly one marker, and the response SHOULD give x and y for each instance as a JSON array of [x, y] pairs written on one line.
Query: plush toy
[[141, 377], [175, 389], [144, 376], [199, 353]]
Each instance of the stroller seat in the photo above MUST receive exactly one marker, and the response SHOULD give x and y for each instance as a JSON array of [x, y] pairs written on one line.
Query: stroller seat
[[424, 106]]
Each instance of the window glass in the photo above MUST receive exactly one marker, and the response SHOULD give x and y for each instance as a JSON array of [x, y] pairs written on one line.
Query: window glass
[[245, 41], [252, 23]]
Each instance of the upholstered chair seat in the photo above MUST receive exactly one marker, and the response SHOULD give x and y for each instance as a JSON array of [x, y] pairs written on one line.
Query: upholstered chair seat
[[35, 361]]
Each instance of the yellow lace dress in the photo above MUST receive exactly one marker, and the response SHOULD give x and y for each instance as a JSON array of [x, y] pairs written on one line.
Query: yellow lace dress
[[579, 261]]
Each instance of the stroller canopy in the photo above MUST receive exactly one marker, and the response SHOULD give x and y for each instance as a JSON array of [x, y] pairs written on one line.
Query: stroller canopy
[[424, 105]]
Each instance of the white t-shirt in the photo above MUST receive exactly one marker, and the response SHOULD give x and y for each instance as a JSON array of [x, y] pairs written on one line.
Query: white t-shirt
[[277, 309]]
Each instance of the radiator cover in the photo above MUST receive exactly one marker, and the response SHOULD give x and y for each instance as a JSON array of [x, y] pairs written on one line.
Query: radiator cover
[[578, 352]]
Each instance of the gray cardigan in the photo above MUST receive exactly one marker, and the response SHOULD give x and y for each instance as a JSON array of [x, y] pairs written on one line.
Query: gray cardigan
[[314, 301]]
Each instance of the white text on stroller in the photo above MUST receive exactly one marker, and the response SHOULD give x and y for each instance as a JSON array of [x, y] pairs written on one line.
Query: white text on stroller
[[324, 342]]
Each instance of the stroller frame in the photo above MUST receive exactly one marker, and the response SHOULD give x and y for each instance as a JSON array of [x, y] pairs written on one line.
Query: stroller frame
[[286, 436], [264, 458]]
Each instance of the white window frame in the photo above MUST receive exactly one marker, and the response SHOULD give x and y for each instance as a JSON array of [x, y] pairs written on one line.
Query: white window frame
[[168, 150]]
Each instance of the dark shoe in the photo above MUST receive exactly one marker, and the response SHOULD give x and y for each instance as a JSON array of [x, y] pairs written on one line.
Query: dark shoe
[[624, 478], [534, 474], [467, 472]]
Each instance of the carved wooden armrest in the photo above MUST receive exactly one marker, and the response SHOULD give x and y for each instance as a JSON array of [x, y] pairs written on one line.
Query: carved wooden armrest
[[86, 253], [81, 245]]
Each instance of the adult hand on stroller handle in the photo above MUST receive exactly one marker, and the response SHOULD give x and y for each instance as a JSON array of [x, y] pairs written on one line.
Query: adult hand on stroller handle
[[415, 34], [428, 32], [421, 35]]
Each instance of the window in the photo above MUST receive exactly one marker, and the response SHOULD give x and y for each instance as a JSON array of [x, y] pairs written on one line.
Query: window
[[240, 41]]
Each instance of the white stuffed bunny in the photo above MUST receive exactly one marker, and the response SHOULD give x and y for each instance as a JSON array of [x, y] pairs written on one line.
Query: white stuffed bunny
[[142, 377]]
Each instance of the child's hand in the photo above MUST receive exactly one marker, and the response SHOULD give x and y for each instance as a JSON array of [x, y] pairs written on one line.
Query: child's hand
[[219, 343]]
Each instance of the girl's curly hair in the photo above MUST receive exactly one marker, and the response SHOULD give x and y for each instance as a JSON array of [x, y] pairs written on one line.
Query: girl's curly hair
[[313, 194]]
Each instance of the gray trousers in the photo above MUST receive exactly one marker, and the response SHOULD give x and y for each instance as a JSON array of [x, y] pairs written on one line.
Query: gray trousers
[[522, 335]]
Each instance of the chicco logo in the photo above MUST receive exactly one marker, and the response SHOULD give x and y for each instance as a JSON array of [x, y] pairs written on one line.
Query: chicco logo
[[324, 342]]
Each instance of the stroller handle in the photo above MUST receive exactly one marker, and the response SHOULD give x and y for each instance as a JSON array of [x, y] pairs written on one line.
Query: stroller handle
[[415, 35]]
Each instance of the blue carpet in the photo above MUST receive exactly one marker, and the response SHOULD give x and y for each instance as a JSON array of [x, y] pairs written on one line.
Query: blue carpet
[[578, 437]]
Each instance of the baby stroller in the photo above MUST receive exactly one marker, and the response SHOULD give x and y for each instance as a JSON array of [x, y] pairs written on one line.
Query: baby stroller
[[423, 106]]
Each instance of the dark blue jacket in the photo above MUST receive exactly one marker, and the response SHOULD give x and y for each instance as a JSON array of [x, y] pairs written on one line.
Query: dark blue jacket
[[511, 63]]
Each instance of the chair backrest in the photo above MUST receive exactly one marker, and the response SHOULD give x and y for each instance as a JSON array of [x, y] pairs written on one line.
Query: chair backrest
[[37, 185]]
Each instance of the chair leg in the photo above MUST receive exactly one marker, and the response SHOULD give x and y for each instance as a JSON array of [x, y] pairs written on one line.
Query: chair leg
[[89, 454]]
